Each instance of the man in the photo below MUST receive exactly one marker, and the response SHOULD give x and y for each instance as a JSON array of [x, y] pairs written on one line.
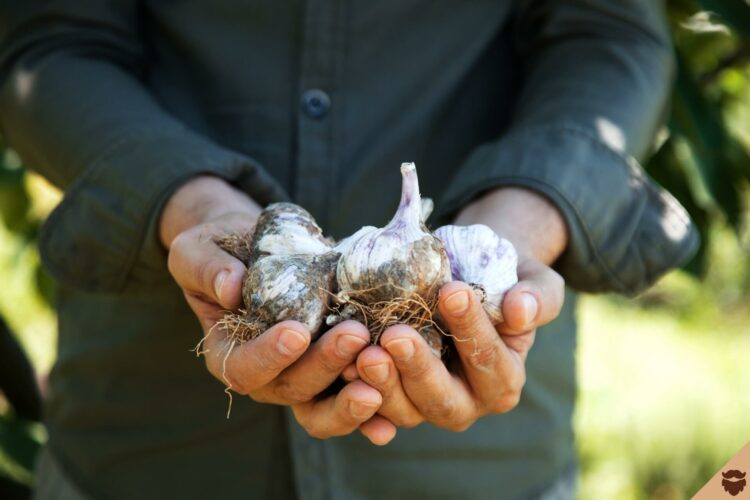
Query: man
[[168, 122]]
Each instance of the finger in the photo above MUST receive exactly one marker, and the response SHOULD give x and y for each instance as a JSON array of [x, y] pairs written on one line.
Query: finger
[[208, 313], [318, 367], [253, 364], [350, 373], [379, 430], [495, 374], [200, 267], [535, 300], [440, 397], [376, 368], [341, 414]]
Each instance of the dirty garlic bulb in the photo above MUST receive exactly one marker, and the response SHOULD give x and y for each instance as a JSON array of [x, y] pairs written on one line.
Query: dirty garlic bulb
[[291, 272], [281, 229], [288, 229], [289, 287], [399, 260], [482, 259]]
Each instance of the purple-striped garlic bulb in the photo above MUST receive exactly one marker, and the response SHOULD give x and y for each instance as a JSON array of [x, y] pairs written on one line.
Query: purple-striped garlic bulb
[[399, 260], [482, 259]]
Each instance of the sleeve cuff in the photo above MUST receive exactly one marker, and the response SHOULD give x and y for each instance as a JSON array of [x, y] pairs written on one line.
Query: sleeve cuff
[[625, 231], [101, 230]]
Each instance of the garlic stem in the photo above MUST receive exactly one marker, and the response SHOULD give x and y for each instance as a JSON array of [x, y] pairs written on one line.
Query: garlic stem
[[409, 211]]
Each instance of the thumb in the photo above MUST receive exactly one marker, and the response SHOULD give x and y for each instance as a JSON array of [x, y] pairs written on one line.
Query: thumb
[[200, 267], [535, 300]]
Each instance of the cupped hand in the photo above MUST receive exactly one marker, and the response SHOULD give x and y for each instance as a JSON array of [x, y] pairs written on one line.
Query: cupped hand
[[280, 366], [487, 375]]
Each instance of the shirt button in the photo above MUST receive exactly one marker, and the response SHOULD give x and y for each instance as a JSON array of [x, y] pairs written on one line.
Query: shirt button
[[316, 103]]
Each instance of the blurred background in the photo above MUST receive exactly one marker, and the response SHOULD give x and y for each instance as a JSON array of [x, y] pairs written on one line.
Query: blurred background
[[664, 397]]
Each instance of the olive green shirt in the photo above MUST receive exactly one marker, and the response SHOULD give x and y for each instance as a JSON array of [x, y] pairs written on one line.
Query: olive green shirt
[[118, 102]]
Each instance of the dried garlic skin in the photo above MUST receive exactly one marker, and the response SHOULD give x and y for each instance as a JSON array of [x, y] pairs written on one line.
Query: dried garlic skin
[[289, 287], [401, 259], [482, 259], [288, 229]]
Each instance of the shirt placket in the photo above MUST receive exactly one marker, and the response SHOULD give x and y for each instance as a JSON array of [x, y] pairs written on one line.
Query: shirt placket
[[316, 167], [320, 71]]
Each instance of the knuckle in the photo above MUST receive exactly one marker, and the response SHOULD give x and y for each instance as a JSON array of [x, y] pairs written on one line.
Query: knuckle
[[442, 408], [316, 431], [461, 426], [179, 242], [234, 384], [557, 280], [408, 422], [290, 393], [506, 402], [483, 357], [176, 255], [260, 396], [417, 369], [216, 368]]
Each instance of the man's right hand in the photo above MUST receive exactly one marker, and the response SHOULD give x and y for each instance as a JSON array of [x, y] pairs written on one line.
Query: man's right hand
[[279, 366]]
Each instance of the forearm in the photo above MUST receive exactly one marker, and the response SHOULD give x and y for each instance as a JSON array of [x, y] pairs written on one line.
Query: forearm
[[76, 109], [525, 218]]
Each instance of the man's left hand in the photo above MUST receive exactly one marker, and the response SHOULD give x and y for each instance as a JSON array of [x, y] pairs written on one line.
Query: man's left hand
[[489, 372]]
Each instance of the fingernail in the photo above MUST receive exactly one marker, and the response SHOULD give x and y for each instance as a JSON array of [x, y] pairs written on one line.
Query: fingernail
[[349, 345], [219, 283], [530, 307], [377, 373], [457, 302], [360, 409], [403, 349], [291, 342]]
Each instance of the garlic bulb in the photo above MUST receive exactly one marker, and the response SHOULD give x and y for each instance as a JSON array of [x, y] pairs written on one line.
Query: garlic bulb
[[434, 339], [288, 229], [289, 287], [398, 260], [482, 259], [281, 229], [426, 209], [290, 276]]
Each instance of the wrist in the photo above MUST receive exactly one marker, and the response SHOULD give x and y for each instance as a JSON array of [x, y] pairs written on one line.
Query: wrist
[[526, 218], [199, 200]]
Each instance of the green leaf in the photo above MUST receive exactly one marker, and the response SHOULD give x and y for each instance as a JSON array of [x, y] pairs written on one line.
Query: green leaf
[[17, 441], [718, 156]]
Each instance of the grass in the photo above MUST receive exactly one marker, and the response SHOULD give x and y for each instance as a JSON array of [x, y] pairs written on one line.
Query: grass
[[662, 404]]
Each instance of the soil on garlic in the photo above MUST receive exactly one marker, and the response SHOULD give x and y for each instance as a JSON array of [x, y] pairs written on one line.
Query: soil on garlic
[[281, 288]]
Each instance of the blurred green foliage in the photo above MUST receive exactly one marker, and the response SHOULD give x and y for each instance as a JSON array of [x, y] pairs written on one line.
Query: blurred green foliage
[[702, 159]]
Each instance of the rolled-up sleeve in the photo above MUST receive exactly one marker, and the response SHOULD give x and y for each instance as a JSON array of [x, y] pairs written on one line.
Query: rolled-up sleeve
[[596, 78], [75, 108]]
